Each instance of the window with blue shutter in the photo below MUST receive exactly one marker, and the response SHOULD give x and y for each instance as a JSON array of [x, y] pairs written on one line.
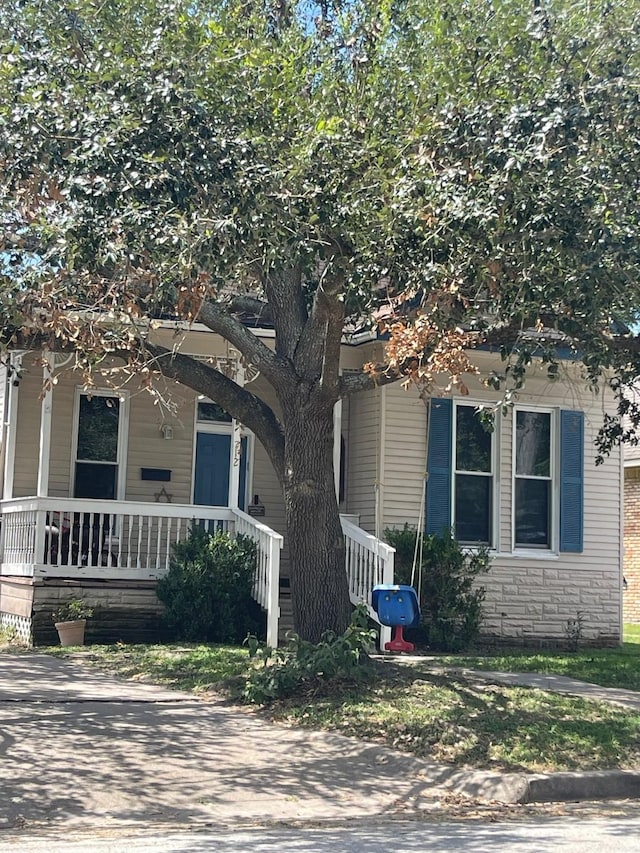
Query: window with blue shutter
[[460, 468], [472, 480], [571, 481], [439, 467], [461, 474]]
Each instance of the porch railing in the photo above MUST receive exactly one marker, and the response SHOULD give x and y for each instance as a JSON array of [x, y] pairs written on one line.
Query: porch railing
[[129, 540], [266, 584], [125, 540], [370, 562]]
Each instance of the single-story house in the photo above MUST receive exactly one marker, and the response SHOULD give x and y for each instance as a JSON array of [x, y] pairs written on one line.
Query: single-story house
[[97, 485]]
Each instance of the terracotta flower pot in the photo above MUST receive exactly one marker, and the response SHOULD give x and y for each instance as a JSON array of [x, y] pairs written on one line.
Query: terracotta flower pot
[[71, 633]]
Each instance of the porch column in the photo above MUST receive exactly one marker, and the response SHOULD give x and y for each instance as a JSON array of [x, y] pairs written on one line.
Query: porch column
[[45, 425], [236, 449], [337, 446], [11, 425]]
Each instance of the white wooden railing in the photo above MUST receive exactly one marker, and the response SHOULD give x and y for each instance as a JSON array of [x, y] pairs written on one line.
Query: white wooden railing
[[130, 540], [125, 540], [266, 584], [370, 562]]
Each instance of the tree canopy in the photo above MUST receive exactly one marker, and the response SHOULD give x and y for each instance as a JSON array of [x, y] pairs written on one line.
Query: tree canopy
[[481, 157], [468, 170]]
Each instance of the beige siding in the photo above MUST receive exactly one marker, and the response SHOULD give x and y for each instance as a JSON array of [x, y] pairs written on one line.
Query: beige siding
[[632, 544], [28, 428], [405, 430], [529, 594], [62, 413], [363, 455], [3, 391], [346, 409], [265, 481], [147, 448], [200, 341], [3, 417]]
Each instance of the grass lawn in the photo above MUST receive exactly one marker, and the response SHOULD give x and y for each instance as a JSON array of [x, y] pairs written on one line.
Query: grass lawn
[[457, 720], [447, 718], [632, 633], [618, 667], [184, 667]]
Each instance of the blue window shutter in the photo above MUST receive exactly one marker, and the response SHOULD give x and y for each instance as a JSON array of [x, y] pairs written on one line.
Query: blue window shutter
[[439, 466], [571, 481]]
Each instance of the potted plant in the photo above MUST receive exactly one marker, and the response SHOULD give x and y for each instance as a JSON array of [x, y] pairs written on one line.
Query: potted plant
[[70, 620]]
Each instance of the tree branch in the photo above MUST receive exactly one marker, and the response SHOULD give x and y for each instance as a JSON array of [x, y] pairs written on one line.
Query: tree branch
[[219, 320], [243, 303], [324, 330], [289, 310], [240, 403], [318, 354], [351, 383], [508, 334]]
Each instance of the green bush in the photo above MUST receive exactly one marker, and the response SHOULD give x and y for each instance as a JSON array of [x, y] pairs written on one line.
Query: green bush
[[207, 590], [302, 667], [450, 599]]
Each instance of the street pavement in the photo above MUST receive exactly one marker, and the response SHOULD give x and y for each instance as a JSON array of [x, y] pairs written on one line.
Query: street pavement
[[613, 835], [81, 750]]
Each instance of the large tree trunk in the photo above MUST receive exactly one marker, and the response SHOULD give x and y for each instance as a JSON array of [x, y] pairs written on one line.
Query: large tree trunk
[[319, 589], [300, 445]]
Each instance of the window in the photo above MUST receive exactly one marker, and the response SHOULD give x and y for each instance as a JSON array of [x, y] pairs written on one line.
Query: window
[[546, 487], [473, 477], [212, 413], [533, 479], [97, 458]]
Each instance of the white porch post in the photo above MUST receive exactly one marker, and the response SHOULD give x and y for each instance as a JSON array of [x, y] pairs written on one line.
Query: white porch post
[[236, 450], [273, 606], [11, 416], [45, 425], [337, 446]]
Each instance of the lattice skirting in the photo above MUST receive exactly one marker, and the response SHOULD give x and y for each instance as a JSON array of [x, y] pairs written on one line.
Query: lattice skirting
[[18, 627]]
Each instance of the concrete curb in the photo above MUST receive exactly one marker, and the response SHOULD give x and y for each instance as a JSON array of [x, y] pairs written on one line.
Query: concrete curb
[[547, 787]]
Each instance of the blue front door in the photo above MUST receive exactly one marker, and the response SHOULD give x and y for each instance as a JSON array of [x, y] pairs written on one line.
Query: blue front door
[[213, 457]]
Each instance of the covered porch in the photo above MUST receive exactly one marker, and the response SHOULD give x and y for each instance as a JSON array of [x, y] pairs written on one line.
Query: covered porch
[[116, 542], [45, 538]]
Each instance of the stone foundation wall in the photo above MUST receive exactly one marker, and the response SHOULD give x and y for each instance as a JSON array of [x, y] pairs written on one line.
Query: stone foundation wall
[[16, 604], [494, 641], [533, 601], [126, 611], [631, 594]]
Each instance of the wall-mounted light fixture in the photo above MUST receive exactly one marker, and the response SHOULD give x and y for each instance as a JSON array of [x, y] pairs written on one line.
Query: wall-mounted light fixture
[[167, 431]]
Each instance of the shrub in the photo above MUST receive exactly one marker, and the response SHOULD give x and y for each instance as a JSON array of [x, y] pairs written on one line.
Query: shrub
[[207, 590], [306, 667], [450, 599]]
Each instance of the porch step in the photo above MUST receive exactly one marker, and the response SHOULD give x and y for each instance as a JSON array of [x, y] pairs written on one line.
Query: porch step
[[286, 612]]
